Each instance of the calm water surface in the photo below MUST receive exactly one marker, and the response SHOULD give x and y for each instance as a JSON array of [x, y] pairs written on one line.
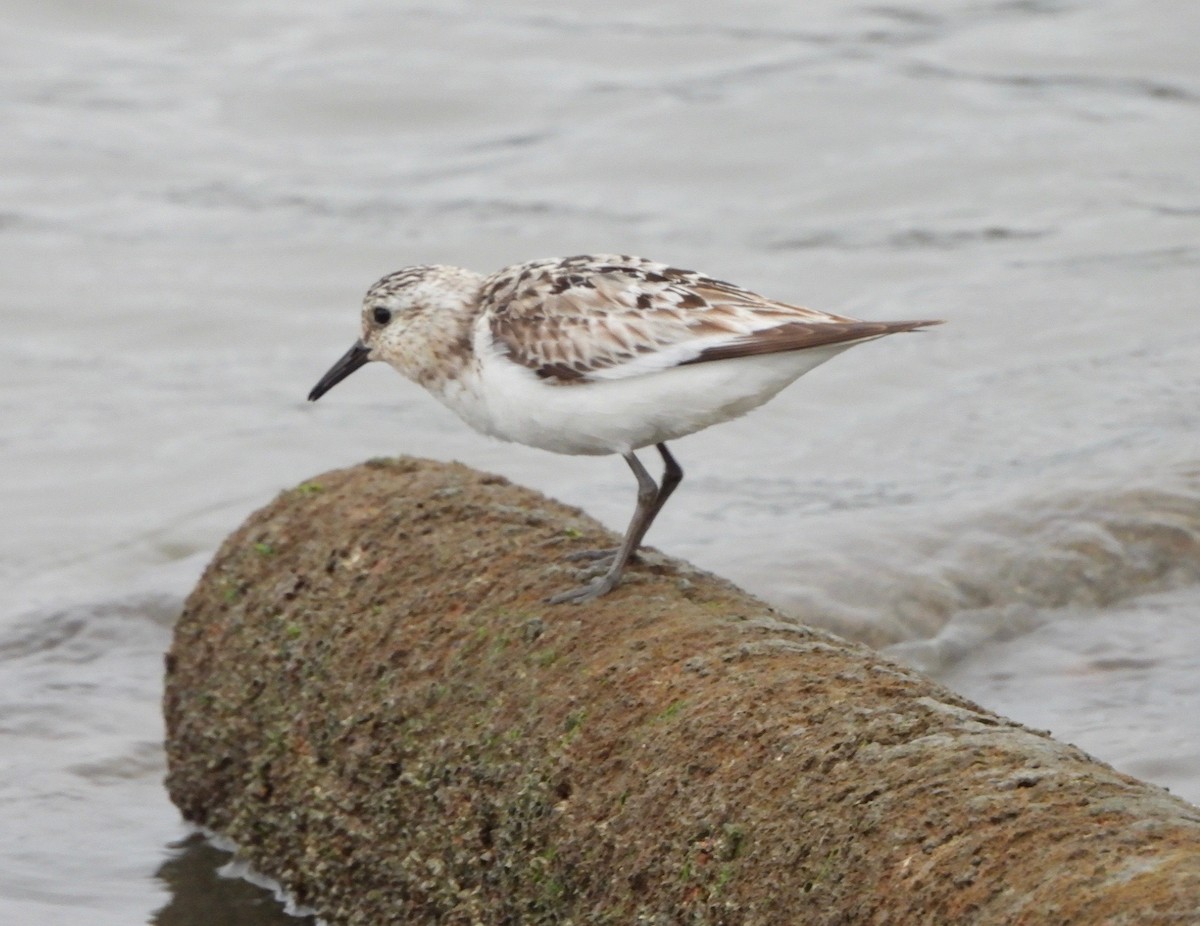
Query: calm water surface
[[195, 197]]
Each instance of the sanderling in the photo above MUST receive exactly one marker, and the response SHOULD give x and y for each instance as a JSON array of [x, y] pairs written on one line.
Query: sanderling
[[594, 354]]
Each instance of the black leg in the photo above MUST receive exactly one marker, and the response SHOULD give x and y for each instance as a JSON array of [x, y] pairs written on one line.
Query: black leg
[[650, 500], [672, 476]]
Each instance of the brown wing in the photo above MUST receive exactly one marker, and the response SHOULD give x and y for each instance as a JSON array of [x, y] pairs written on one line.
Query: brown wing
[[602, 317]]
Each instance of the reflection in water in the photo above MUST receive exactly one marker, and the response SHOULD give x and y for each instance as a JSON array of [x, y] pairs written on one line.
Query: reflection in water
[[202, 896]]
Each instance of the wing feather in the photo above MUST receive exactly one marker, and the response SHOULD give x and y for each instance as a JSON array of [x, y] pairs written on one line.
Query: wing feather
[[588, 318]]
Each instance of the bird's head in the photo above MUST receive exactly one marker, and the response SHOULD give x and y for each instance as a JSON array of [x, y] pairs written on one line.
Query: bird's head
[[390, 310]]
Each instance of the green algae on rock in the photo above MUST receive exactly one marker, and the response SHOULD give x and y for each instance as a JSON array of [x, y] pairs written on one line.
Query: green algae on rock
[[367, 693]]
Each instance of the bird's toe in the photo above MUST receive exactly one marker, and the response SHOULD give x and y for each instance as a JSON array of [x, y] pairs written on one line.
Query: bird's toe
[[588, 592], [591, 556], [606, 556]]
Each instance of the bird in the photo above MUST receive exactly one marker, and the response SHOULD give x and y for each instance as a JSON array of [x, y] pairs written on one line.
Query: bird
[[595, 354]]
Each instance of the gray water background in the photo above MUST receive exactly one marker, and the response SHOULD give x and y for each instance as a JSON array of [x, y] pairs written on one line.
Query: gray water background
[[193, 198]]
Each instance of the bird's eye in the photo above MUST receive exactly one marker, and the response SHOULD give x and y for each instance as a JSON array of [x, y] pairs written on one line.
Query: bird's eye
[[381, 315]]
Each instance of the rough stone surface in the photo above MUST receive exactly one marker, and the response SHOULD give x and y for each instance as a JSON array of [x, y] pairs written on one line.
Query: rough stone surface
[[368, 694]]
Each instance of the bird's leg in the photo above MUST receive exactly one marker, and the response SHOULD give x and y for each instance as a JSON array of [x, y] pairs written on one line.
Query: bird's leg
[[672, 476], [643, 514]]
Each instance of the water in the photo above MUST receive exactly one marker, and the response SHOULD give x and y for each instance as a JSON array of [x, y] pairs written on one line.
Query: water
[[195, 197]]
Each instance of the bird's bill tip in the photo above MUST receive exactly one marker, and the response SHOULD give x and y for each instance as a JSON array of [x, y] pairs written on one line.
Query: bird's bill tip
[[350, 361]]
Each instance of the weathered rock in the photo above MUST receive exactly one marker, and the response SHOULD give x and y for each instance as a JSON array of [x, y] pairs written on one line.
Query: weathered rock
[[367, 693]]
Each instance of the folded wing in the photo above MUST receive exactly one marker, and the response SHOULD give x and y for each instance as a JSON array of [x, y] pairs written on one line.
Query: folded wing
[[603, 317]]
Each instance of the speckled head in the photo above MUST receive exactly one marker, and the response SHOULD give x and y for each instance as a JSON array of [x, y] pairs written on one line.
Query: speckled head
[[417, 320]]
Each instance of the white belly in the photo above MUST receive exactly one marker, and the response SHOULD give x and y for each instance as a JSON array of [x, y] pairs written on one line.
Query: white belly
[[616, 416]]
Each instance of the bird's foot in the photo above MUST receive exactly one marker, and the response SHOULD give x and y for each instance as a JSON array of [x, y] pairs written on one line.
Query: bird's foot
[[592, 590], [606, 555]]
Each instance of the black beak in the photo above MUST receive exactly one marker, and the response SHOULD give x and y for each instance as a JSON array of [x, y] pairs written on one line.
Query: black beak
[[354, 358]]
